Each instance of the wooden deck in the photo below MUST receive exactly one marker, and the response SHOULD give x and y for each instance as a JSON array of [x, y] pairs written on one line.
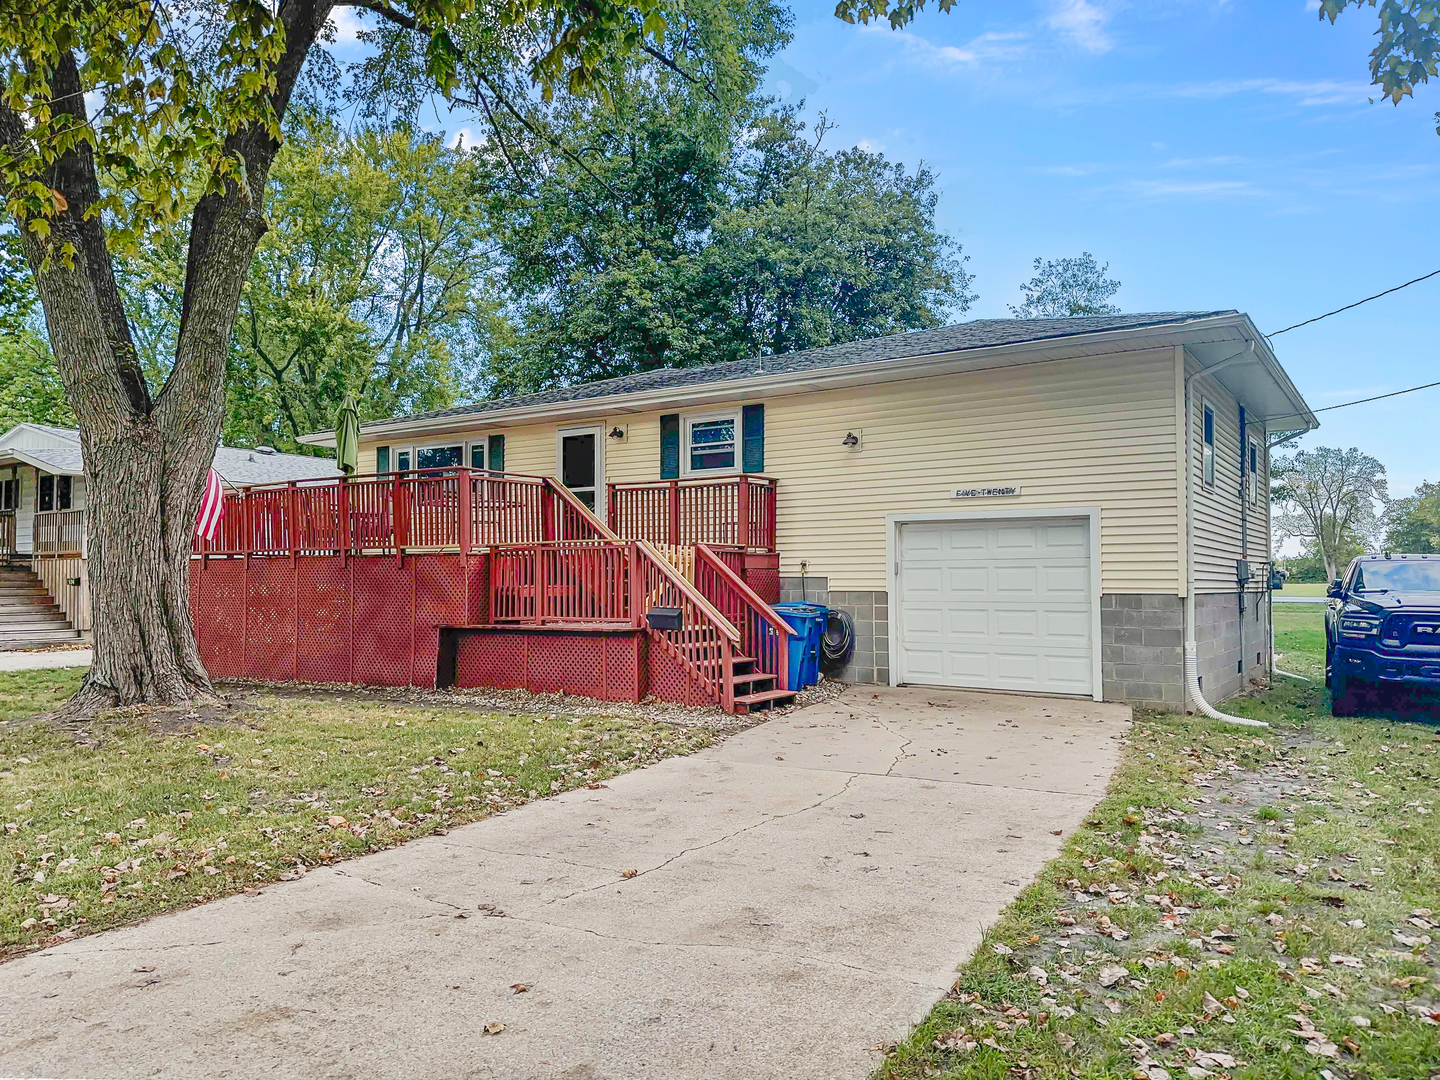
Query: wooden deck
[[461, 577]]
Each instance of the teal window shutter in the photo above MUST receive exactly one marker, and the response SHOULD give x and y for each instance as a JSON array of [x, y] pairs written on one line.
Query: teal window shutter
[[670, 446], [754, 436], [497, 453], [382, 459]]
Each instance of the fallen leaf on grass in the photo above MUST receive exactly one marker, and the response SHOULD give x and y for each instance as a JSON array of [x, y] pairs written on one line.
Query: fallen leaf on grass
[[955, 1040], [1111, 974], [1067, 1042], [1346, 961]]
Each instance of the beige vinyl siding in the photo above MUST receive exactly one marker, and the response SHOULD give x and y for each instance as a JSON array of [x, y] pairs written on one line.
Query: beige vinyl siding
[[1217, 510], [1074, 433], [1096, 431]]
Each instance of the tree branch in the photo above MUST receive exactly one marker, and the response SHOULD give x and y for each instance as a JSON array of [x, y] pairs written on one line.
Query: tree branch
[[385, 11]]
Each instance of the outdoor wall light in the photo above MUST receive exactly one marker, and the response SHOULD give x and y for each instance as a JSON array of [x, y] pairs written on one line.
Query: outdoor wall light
[[617, 433], [851, 440]]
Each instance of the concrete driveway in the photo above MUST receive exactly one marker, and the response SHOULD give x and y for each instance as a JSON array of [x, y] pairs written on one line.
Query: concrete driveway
[[805, 890]]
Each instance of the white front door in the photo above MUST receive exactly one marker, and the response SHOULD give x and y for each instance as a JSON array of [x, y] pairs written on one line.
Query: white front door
[[580, 466], [1003, 604]]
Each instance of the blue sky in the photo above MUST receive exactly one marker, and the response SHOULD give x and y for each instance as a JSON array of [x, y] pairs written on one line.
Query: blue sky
[[1215, 154]]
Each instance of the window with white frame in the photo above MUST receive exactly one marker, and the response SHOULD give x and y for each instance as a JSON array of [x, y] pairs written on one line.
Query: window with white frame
[[711, 443], [440, 455], [1207, 448]]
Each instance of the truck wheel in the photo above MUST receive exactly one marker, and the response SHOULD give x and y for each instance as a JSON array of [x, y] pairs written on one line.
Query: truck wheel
[[1347, 696], [1329, 664]]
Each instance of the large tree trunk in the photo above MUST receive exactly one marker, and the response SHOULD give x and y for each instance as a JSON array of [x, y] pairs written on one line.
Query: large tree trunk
[[146, 459]]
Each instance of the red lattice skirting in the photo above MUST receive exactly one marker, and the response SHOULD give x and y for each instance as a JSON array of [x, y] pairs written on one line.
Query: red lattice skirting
[[321, 618]]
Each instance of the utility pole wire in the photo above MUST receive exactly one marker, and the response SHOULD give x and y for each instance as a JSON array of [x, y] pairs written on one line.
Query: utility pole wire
[[1380, 397], [1357, 303]]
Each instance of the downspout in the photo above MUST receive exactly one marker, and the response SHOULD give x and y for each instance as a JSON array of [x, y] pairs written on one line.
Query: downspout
[[1192, 662]]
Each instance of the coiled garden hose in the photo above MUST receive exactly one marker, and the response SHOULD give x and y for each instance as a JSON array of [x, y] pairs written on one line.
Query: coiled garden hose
[[837, 644]]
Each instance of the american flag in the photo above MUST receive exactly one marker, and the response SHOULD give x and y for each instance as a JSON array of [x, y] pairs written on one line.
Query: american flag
[[212, 507]]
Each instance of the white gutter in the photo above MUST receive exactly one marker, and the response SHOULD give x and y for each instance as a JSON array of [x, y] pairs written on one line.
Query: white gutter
[[912, 367], [1192, 662]]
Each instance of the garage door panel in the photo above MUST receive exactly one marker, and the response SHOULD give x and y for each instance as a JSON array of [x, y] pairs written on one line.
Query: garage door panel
[[1017, 670], [1003, 605], [1073, 540], [1014, 581], [925, 581], [1065, 629], [967, 624], [1012, 626], [1010, 539], [966, 667], [1065, 582], [925, 623], [968, 581]]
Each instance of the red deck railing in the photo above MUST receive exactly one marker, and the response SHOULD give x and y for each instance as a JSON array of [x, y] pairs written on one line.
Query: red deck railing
[[437, 510], [736, 510]]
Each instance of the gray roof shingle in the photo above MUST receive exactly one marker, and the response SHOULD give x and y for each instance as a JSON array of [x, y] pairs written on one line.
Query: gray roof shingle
[[978, 334], [238, 467]]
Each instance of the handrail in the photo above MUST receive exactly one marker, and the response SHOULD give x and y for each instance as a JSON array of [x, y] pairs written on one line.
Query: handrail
[[764, 610], [687, 590], [572, 500]]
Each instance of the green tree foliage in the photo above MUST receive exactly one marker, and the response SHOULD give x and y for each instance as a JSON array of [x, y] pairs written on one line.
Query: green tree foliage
[[1408, 46], [373, 279], [1062, 288], [1413, 523], [30, 388], [669, 243], [1328, 499]]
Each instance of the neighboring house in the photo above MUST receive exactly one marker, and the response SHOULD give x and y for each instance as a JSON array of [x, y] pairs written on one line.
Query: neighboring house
[[43, 499], [1002, 504]]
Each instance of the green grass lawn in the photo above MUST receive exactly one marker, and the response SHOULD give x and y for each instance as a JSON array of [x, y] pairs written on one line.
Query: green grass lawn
[[1243, 903], [1309, 588], [131, 821]]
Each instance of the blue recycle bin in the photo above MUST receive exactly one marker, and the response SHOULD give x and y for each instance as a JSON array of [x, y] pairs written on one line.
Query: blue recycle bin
[[808, 621]]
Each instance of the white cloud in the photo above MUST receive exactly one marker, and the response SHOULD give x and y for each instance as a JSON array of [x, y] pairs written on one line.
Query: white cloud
[[987, 49], [347, 25], [1084, 23], [870, 147], [1321, 92]]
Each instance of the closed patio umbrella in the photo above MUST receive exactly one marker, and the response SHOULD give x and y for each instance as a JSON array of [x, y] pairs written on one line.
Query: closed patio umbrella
[[347, 435]]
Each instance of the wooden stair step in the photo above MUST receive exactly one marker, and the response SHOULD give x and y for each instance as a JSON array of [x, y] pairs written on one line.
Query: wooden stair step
[[10, 623], [37, 637], [762, 698]]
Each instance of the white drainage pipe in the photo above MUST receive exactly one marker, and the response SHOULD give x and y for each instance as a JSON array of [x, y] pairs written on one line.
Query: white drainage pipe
[[1192, 684], [1276, 656]]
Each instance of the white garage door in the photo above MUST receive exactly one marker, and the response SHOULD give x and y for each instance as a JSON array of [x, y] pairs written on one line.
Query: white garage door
[[1002, 604]]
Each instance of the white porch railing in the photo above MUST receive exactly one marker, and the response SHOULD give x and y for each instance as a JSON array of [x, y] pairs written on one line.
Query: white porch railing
[[7, 533], [59, 532]]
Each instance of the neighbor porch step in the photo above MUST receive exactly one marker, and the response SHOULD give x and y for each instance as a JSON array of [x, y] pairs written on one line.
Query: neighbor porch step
[[38, 637], [15, 623]]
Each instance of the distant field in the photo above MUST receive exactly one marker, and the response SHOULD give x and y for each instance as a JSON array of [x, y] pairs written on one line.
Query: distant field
[[1316, 588]]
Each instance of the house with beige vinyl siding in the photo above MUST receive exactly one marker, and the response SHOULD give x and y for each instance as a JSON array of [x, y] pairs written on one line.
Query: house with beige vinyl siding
[[1048, 506]]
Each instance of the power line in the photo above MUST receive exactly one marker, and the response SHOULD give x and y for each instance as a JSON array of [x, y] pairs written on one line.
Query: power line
[[1357, 303], [1379, 397]]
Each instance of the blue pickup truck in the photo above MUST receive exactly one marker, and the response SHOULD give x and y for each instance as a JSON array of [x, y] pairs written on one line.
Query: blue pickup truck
[[1382, 628]]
